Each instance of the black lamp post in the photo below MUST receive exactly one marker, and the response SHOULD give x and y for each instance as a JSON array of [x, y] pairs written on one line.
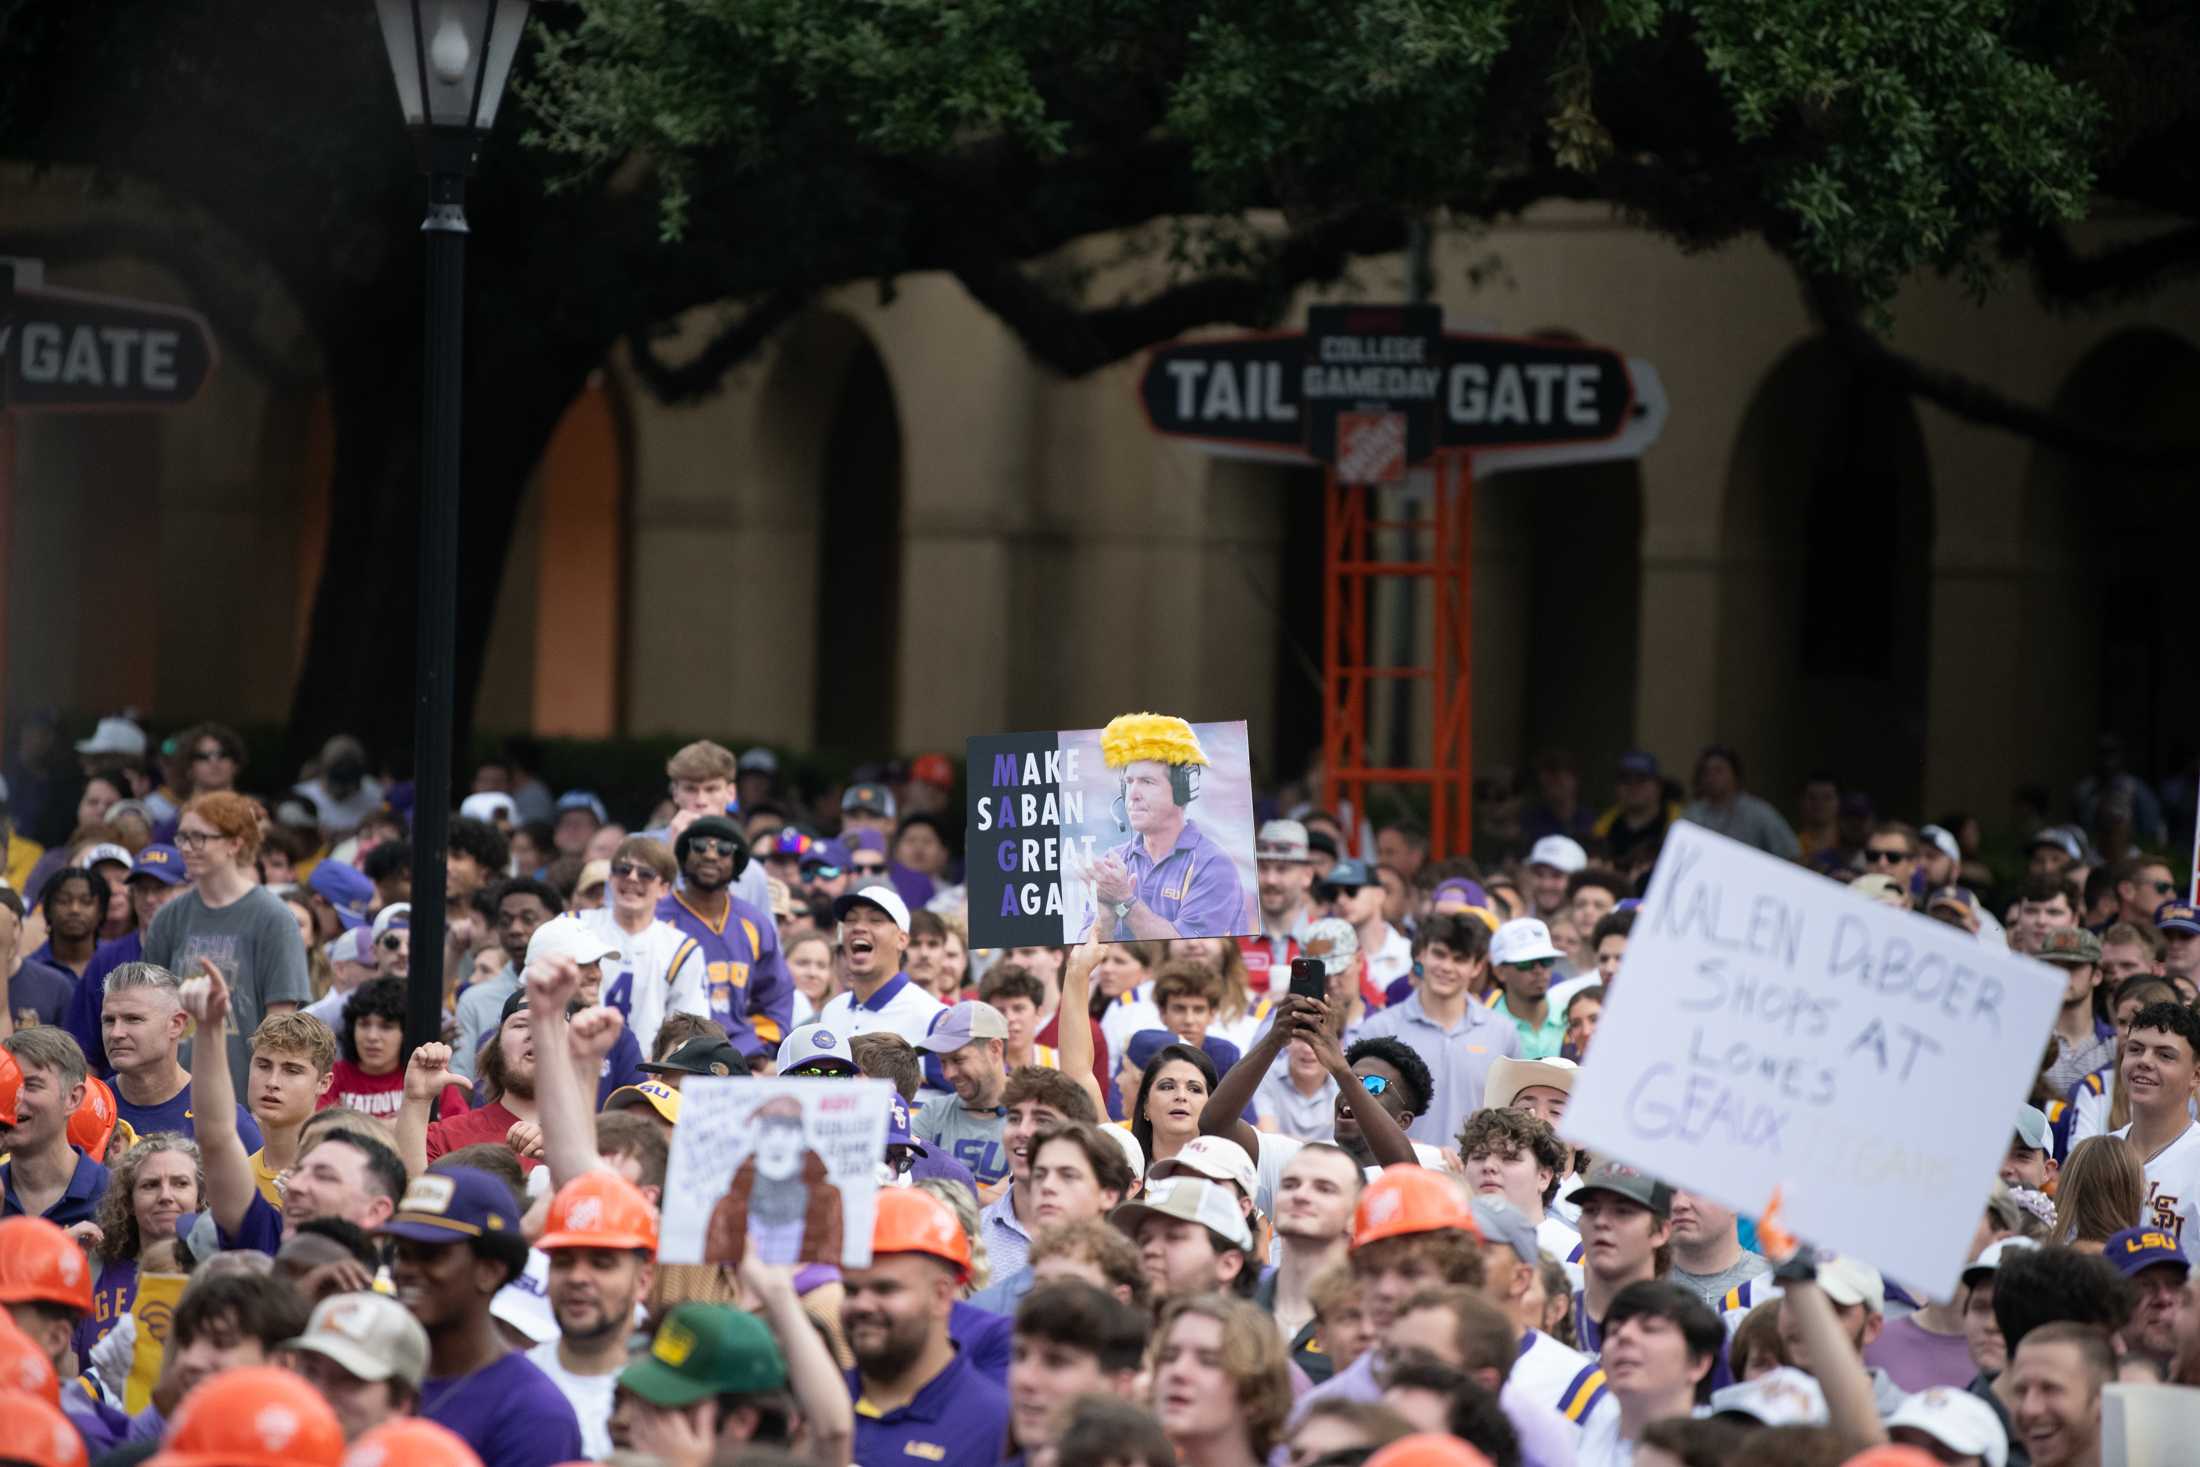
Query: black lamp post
[[451, 59]]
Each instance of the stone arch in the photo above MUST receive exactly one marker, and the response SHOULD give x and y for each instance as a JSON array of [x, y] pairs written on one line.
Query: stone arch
[[2106, 590], [1825, 599]]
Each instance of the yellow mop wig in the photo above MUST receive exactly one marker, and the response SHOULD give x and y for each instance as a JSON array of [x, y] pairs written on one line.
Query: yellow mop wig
[[1133, 737]]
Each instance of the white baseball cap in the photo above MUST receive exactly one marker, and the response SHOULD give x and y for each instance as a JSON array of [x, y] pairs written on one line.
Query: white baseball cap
[[104, 851], [1782, 1396], [1561, 853], [1990, 1257], [1853, 1281], [396, 914], [1214, 1158], [1189, 1199], [487, 805], [882, 896], [567, 936], [1508, 1077], [114, 736], [1523, 940], [1958, 1420]]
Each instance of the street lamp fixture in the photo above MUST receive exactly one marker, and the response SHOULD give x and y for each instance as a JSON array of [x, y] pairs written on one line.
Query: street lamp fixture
[[450, 59]]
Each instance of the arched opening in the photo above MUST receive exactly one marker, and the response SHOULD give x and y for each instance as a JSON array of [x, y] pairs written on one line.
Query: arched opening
[[859, 561], [2106, 598], [1825, 599], [557, 639]]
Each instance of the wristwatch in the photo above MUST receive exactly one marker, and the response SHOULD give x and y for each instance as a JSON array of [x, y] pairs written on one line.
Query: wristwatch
[[1122, 909]]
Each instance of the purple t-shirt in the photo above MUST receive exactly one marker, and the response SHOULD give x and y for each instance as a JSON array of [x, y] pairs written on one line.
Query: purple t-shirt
[[510, 1413], [1194, 888], [1917, 1359]]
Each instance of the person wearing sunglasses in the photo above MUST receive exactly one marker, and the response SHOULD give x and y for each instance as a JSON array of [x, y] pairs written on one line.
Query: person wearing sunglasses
[[1523, 960], [658, 969], [1891, 851], [745, 982], [2142, 883]]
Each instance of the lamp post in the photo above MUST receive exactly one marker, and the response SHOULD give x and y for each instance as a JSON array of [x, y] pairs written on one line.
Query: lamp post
[[450, 59]]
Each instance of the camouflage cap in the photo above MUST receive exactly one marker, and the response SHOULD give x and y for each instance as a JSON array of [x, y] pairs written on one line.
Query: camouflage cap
[[2069, 947]]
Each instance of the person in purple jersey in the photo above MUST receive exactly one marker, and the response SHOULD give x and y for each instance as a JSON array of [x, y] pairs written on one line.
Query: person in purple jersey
[[143, 1021], [745, 976], [153, 880], [916, 1393], [458, 1242], [1169, 879]]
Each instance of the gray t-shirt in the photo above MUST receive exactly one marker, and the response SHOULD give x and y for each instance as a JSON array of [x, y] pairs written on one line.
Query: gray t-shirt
[[254, 941], [1712, 1287], [971, 1137]]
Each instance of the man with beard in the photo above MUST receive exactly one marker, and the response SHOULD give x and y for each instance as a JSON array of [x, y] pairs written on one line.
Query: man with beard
[[967, 1125], [458, 1242], [2158, 1268], [745, 980], [601, 1236], [520, 905], [916, 1394], [507, 1069]]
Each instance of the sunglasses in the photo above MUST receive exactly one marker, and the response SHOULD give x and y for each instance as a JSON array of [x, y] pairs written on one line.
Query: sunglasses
[[390, 942], [626, 869], [711, 845], [811, 1072], [1374, 1084], [2163, 888], [1884, 858], [821, 872], [878, 870]]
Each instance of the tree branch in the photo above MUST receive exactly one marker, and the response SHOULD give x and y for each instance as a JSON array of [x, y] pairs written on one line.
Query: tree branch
[[674, 383], [2113, 275]]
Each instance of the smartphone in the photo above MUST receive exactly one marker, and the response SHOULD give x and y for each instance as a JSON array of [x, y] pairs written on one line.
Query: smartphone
[[1309, 978]]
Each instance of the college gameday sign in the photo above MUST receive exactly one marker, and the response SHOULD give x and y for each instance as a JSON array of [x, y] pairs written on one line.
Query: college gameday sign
[[1375, 389]]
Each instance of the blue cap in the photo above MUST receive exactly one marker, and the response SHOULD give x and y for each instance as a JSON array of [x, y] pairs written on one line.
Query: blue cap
[[1638, 764], [2178, 917], [584, 800], [165, 865], [1145, 1044], [1348, 874], [344, 887], [450, 1204], [2142, 1247], [827, 853], [898, 1132]]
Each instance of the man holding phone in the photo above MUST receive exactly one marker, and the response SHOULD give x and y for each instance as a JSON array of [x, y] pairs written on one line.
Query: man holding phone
[[1457, 1038]]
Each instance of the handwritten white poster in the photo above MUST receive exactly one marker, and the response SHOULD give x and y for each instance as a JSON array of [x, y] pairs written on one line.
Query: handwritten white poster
[[1772, 1030], [784, 1169]]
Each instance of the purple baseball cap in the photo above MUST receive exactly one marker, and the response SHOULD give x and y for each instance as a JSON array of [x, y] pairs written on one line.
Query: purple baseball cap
[[343, 887], [451, 1204], [162, 863], [1459, 892]]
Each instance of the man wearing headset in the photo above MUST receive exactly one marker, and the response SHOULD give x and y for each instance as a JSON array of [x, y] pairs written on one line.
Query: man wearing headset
[[1169, 879]]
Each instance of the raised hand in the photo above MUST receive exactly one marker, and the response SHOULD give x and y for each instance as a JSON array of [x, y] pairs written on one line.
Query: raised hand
[[525, 1137], [205, 997], [551, 984], [429, 1071], [592, 1032]]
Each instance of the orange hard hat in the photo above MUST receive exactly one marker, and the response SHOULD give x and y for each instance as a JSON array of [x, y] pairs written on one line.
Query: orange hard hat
[[1893, 1455], [911, 1220], [38, 1261], [1410, 1199], [92, 1123], [599, 1209], [37, 1433], [1428, 1450], [11, 1083], [23, 1365], [252, 1416], [409, 1441]]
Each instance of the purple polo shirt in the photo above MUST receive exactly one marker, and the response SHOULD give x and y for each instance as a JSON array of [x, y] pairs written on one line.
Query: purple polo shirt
[[1194, 888], [959, 1419], [510, 1413]]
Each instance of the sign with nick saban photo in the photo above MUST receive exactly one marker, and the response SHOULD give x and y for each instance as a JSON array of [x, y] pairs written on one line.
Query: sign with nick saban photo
[[1140, 830]]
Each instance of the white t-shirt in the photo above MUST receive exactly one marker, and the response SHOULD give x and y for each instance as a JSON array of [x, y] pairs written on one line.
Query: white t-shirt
[[1392, 960], [1276, 1151], [659, 971], [1125, 1015], [1560, 1241], [1564, 1379], [2173, 1183], [590, 1396], [1601, 1445]]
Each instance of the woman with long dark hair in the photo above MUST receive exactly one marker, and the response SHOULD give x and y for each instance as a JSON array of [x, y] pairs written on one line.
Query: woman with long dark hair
[[1171, 1095]]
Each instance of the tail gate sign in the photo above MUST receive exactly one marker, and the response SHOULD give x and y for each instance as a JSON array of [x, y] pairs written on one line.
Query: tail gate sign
[[68, 350], [1281, 395]]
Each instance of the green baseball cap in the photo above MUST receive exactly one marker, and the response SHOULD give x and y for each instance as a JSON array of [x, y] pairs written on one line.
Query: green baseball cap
[[703, 1350], [2070, 947]]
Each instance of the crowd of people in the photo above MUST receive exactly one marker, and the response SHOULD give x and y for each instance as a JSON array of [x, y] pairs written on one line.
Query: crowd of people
[[1139, 1203]]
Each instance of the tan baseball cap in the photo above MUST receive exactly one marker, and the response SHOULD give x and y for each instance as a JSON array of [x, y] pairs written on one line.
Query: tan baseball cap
[[371, 1335]]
